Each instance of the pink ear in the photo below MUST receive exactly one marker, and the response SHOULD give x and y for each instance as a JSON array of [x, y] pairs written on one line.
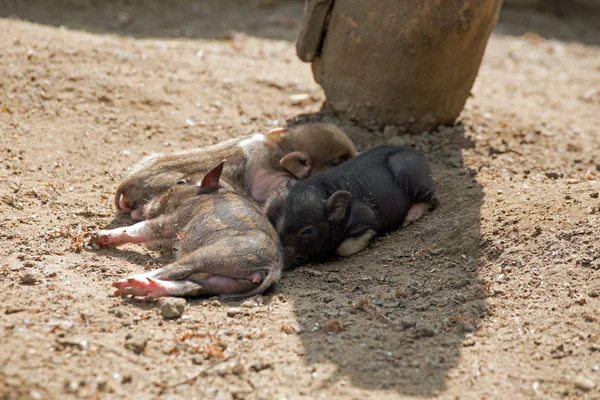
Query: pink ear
[[297, 164], [277, 131], [210, 181]]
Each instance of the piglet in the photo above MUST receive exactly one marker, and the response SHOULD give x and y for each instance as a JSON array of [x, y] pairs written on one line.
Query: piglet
[[341, 210], [256, 164], [224, 244]]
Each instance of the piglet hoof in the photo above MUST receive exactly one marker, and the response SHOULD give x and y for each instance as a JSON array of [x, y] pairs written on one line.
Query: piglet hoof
[[415, 213], [353, 245], [120, 287], [145, 287], [103, 239], [140, 285]]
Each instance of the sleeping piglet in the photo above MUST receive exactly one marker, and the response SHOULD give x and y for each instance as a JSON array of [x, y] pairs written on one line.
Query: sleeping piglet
[[341, 210], [256, 164], [225, 245]]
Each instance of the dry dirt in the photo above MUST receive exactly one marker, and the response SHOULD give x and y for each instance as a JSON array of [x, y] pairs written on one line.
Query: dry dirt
[[492, 296]]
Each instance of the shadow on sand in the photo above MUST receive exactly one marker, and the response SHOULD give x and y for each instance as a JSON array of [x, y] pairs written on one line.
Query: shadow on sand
[[206, 19], [272, 19], [397, 315]]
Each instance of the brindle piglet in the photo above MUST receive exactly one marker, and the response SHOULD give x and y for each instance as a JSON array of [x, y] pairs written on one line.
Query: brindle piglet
[[342, 209], [225, 244], [256, 164]]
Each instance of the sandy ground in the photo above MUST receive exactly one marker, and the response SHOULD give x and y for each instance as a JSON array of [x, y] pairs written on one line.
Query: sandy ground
[[492, 296]]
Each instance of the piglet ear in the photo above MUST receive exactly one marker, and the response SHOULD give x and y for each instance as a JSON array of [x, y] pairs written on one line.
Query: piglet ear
[[210, 181], [337, 204], [275, 135], [277, 132], [296, 163]]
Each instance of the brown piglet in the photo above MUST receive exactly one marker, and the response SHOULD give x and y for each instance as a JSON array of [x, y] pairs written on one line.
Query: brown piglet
[[256, 164], [225, 245]]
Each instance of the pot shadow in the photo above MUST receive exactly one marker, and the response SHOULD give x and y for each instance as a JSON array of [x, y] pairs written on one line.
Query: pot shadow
[[398, 315], [207, 19]]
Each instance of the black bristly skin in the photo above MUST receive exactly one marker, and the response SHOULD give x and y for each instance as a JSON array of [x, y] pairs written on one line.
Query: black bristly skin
[[383, 183]]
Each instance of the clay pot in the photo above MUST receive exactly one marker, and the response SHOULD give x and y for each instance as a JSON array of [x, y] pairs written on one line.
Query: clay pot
[[410, 62]]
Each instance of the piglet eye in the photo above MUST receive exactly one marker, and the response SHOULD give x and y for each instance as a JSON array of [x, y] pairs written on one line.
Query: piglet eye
[[307, 231]]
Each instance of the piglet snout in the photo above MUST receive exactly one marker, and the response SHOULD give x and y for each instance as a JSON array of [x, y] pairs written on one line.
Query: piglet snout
[[290, 255], [122, 203]]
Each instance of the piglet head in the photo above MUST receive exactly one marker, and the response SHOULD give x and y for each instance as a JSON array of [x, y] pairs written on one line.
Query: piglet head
[[310, 224], [313, 148]]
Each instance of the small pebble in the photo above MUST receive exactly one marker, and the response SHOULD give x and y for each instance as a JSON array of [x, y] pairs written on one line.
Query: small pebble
[[172, 307], [70, 387], [583, 383], [101, 384], [327, 299], [136, 343], [249, 303], [29, 278], [390, 131], [407, 323], [424, 332], [260, 366], [197, 360], [594, 195], [465, 326], [396, 141], [460, 283], [35, 395], [233, 311], [459, 299]]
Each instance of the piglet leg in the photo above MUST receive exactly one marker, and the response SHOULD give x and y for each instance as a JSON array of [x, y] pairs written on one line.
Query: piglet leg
[[160, 228], [415, 213], [219, 269], [138, 233], [353, 245], [150, 287]]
